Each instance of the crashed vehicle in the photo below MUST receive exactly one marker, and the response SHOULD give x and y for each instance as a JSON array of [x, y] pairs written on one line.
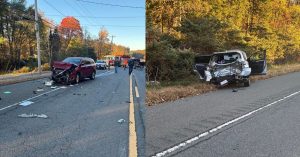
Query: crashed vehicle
[[231, 66], [73, 69]]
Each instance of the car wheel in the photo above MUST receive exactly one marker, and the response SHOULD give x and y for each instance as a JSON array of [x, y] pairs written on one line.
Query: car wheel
[[247, 83], [77, 79], [93, 76]]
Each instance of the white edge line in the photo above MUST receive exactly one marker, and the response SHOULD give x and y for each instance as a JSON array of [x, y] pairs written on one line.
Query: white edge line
[[29, 99], [183, 144]]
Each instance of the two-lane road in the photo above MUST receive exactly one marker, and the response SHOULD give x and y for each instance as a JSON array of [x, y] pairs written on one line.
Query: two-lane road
[[261, 120], [82, 119]]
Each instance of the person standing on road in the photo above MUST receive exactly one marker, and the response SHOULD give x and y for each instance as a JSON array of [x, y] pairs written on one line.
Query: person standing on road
[[130, 65], [116, 64]]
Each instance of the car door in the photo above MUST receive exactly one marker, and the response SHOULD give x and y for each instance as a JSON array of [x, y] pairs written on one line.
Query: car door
[[84, 65], [201, 63], [258, 63]]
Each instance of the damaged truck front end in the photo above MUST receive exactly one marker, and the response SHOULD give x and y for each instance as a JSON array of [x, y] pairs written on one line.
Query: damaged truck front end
[[225, 67]]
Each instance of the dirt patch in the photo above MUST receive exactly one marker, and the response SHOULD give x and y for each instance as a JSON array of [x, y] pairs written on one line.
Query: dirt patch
[[158, 94]]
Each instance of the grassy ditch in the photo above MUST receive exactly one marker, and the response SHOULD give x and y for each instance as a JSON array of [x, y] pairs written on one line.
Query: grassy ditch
[[165, 92]]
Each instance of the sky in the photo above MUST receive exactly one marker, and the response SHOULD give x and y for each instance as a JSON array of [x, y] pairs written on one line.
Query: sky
[[123, 19]]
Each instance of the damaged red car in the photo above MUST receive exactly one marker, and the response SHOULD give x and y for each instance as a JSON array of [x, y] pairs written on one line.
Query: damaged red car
[[73, 69]]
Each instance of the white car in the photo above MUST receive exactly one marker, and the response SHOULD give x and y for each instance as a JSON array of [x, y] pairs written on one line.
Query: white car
[[101, 64], [222, 68]]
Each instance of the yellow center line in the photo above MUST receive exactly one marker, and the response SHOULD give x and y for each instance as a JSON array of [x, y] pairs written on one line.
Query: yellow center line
[[132, 148]]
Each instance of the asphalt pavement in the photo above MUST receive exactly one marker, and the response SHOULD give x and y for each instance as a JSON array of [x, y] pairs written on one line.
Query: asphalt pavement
[[82, 120], [260, 120]]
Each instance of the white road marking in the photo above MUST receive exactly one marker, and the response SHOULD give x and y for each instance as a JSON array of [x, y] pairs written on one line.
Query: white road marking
[[137, 92], [29, 99], [15, 104], [198, 137]]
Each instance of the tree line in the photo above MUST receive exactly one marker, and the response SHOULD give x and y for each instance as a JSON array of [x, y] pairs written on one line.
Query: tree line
[[18, 40], [180, 28]]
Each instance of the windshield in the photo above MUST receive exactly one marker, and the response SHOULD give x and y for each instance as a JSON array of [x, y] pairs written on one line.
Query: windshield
[[100, 62], [72, 60]]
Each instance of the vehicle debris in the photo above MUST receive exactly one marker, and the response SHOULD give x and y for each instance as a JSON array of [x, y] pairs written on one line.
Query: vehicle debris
[[53, 87], [40, 90], [34, 92], [7, 92], [63, 87], [49, 83], [31, 115], [121, 121], [26, 103], [234, 90]]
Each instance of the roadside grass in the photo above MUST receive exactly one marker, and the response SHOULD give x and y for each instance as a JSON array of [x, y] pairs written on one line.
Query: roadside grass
[[171, 91], [25, 70]]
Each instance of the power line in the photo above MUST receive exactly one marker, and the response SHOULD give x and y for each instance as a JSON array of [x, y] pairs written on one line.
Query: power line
[[75, 9], [54, 7], [115, 26], [104, 17], [112, 5]]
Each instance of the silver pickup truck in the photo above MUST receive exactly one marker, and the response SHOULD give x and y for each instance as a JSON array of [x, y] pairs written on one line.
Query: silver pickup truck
[[233, 66]]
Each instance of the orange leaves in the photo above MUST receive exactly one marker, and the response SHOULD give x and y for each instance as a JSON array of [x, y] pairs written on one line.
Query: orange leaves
[[70, 22], [70, 27]]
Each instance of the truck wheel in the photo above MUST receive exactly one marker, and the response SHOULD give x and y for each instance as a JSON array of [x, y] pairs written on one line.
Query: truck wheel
[[247, 83]]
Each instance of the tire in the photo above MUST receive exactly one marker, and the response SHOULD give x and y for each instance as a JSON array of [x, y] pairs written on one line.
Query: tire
[[77, 78], [93, 75], [247, 83]]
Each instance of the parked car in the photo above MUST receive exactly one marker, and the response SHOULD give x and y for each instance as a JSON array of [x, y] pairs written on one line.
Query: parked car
[[101, 64], [222, 68], [73, 69]]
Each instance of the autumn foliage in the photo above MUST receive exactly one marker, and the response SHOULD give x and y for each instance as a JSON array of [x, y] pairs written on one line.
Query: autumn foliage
[[70, 27]]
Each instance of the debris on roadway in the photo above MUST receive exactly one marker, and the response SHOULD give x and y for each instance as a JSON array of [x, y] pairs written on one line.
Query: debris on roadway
[[234, 90], [49, 83], [26, 103], [53, 87], [24, 115], [40, 90], [121, 121], [7, 92]]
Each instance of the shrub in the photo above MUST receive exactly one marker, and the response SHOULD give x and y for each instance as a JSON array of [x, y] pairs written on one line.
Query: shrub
[[46, 67], [22, 70]]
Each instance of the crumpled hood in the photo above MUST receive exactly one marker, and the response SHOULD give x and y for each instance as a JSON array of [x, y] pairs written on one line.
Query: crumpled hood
[[62, 65]]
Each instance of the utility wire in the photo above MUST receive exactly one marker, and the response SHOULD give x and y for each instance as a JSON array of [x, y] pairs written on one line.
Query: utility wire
[[112, 5], [104, 17], [78, 11], [54, 7]]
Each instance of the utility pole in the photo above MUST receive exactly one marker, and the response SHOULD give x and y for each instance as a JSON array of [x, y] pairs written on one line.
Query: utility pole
[[112, 41], [37, 36]]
